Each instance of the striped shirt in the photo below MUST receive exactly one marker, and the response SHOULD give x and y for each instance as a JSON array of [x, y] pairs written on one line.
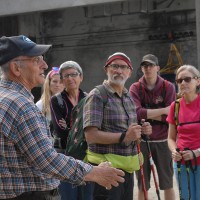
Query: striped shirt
[[28, 162], [115, 116]]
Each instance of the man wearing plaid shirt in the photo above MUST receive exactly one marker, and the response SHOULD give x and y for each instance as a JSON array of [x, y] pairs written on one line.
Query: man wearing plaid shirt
[[30, 168], [112, 129]]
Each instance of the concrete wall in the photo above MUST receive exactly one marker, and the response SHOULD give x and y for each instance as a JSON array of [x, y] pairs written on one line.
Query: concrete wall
[[90, 34], [10, 7]]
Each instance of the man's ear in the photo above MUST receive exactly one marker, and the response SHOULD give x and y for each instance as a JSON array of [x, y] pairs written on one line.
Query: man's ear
[[130, 73], [15, 69], [105, 69]]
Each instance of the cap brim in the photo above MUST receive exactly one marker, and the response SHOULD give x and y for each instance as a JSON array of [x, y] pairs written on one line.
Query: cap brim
[[38, 50], [149, 61]]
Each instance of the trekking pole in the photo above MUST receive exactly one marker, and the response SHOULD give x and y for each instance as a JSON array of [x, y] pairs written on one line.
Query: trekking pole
[[145, 137], [187, 165], [179, 176], [142, 171]]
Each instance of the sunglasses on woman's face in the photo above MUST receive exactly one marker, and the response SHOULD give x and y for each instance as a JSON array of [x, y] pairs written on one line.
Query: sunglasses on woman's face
[[186, 79]]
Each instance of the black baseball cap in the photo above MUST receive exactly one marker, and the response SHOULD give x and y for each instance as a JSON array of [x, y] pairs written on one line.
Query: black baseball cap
[[12, 47]]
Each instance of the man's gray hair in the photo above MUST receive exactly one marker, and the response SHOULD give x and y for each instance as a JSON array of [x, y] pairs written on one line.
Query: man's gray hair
[[4, 69]]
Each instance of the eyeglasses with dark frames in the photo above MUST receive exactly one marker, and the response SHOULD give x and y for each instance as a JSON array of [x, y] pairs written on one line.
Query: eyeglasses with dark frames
[[116, 67], [186, 79], [146, 65], [73, 75]]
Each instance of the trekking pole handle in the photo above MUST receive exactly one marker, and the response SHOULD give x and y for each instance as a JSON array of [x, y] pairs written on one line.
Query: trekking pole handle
[[178, 162], [188, 161], [143, 136]]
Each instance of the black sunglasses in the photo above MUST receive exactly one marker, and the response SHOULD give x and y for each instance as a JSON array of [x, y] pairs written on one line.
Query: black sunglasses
[[186, 79]]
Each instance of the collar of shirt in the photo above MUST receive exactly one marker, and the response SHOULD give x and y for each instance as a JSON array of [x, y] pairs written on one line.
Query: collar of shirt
[[17, 87]]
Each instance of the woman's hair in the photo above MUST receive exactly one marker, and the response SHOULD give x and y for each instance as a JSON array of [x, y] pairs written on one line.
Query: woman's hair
[[193, 70], [46, 94]]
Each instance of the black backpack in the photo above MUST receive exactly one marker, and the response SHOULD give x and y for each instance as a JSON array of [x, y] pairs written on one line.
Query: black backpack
[[76, 142]]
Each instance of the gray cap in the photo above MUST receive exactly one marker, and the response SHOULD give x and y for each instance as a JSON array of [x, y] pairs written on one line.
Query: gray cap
[[68, 65], [150, 58]]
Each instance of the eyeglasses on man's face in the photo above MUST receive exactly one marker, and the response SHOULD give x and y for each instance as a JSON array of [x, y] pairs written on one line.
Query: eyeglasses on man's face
[[146, 65], [73, 75], [36, 59], [116, 67], [186, 79]]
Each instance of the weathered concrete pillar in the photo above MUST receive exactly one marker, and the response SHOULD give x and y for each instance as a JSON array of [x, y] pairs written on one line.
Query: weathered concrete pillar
[[197, 5]]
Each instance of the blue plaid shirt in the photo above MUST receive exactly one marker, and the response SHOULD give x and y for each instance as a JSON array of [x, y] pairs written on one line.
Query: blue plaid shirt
[[28, 162]]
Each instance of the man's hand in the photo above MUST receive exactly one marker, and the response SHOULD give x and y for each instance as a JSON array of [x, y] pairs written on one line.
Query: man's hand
[[146, 128], [105, 176], [133, 133]]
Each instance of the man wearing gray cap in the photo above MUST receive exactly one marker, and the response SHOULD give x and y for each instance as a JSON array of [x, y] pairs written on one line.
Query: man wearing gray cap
[[30, 168], [153, 96]]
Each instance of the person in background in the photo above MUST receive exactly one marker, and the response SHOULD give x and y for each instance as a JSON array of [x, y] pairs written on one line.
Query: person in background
[[153, 96], [111, 129], [186, 133], [30, 168], [52, 85], [71, 75]]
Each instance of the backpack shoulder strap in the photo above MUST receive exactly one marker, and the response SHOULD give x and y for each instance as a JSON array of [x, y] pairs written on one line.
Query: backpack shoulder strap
[[60, 100], [141, 92], [103, 93], [164, 88], [176, 111], [140, 88]]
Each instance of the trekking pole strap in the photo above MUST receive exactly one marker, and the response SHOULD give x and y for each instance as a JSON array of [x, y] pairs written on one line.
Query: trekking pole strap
[[190, 162], [178, 162]]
